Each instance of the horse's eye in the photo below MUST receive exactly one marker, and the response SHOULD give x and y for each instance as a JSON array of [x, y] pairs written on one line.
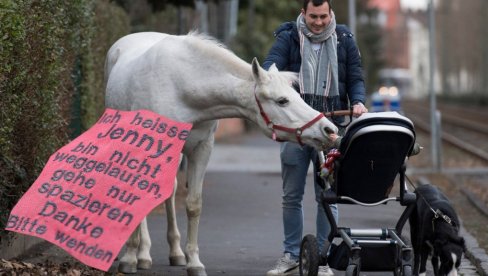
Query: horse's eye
[[282, 101]]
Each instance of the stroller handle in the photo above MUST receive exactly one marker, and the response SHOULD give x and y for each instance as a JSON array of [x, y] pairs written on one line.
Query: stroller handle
[[338, 113]]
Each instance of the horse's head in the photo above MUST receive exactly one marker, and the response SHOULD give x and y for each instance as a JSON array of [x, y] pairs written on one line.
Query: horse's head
[[283, 113]]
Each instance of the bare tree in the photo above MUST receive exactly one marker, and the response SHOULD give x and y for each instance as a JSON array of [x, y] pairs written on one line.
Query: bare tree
[[463, 46]]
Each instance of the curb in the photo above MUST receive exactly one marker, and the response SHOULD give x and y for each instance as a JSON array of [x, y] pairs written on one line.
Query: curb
[[20, 243], [474, 253]]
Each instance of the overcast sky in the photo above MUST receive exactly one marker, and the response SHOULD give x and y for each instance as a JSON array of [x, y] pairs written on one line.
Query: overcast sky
[[415, 4]]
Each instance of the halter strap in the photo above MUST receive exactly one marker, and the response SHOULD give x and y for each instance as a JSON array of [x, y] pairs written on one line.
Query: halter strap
[[298, 131]]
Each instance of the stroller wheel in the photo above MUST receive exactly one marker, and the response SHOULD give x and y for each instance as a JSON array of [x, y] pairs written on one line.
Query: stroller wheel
[[407, 270], [352, 270], [309, 256]]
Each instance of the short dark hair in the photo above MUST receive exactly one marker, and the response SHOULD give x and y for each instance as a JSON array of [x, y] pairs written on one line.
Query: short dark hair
[[316, 3]]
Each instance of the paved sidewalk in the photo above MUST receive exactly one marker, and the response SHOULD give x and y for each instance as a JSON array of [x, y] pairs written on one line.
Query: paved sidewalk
[[240, 228], [254, 153]]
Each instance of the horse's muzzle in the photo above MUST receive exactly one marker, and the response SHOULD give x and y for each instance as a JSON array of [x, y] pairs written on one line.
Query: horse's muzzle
[[329, 131]]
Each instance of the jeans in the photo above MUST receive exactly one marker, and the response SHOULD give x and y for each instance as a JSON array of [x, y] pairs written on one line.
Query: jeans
[[295, 160]]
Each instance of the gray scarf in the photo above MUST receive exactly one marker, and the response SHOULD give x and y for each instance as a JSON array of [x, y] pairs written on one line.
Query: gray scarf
[[318, 75]]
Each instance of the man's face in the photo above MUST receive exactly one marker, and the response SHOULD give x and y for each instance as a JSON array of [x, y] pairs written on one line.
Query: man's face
[[317, 18]]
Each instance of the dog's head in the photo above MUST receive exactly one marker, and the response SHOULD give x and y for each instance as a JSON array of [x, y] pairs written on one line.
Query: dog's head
[[450, 249]]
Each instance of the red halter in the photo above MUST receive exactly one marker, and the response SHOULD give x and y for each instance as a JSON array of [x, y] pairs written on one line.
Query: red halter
[[298, 131]]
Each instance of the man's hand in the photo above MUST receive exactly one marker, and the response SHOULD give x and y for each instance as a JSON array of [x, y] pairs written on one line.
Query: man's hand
[[358, 109]]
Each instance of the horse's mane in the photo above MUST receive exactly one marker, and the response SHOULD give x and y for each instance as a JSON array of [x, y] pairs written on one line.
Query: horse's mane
[[290, 76], [208, 38], [218, 51]]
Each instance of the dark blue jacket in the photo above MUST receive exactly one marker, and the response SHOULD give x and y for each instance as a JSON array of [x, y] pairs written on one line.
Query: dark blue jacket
[[285, 53]]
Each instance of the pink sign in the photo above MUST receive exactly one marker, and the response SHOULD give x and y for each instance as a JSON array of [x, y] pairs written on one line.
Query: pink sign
[[94, 191]]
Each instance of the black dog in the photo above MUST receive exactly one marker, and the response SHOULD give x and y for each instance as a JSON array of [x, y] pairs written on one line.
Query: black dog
[[434, 226]]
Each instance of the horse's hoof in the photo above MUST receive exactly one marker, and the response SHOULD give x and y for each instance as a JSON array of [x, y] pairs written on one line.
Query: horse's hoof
[[127, 268], [177, 261], [196, 271], [144, 264]]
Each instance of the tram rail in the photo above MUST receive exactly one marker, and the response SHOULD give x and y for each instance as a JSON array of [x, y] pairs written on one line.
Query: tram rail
[[467, 130]]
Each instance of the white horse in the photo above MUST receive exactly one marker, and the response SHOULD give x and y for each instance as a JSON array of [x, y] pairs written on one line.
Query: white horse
[[194, 79]]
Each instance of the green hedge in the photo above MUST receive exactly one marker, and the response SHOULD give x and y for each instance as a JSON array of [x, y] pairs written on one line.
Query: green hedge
[[109, 24], [51, 54]]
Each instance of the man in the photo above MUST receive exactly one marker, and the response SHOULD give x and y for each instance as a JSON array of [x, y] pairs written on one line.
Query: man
[[330, 77]]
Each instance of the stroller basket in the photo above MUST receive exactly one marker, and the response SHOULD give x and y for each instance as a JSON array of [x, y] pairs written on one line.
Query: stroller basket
[[340, 255]]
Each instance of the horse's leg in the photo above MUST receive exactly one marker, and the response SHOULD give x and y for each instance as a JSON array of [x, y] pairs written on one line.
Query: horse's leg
[[197, 164], [144, 260], [128, 263], [176, 255]]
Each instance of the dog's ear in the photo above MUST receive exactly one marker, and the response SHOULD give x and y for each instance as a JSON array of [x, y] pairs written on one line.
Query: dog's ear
[[459, 241], [462, 243]]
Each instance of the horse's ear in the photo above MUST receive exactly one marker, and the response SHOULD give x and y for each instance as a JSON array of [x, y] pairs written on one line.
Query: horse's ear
[[257, 71], [273, 68]]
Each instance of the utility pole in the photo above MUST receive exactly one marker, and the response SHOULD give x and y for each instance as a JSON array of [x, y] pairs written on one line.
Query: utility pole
[[202, 11], [352, 16], [434, 114]]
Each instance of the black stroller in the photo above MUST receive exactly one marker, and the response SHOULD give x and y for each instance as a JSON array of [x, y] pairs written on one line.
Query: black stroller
[[373, 152]]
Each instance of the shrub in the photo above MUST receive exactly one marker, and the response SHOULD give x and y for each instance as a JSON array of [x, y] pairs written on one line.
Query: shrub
[[50, 56]]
